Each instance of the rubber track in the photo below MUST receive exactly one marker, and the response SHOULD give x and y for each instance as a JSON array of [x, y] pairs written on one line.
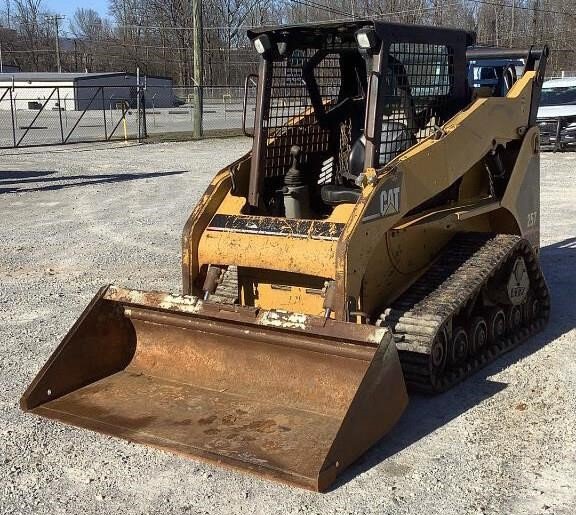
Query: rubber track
[[227, 290], [455, 279]]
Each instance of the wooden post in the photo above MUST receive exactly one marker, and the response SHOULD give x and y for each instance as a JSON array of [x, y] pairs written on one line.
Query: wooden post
[[198, 67]]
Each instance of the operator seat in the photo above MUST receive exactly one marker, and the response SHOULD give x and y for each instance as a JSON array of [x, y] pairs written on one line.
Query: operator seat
[[396, 137], [335, 194]]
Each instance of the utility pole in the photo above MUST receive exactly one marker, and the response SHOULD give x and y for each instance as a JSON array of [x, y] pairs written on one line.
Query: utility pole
[[512, 22], [536, 8], [55, 18], [198, 66], [1, 62]]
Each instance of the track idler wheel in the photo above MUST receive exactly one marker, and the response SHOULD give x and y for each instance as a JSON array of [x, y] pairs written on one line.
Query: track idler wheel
[[514, 318], [496, 325], [478, 334], [531, 308], [438, 353], [460, 346]]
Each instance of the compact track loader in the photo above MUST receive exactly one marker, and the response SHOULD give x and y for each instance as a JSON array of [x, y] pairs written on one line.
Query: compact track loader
[[382, 233]]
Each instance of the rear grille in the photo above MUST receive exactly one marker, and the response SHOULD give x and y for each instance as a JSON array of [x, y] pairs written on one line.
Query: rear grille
[[548, 128]]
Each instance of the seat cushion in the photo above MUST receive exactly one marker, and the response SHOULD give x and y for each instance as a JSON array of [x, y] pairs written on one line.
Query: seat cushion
[[334, 195]]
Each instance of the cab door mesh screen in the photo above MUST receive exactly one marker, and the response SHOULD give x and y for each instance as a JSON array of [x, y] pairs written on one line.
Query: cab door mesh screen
[[290, 118], [418, 86]]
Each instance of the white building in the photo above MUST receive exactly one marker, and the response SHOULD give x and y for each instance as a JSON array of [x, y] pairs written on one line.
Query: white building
[[80, 91]]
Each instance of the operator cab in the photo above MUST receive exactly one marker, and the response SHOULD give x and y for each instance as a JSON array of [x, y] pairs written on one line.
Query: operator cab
[[335, 99]]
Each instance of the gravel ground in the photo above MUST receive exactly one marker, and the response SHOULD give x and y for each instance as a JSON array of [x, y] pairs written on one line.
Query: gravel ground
[[74, 219]]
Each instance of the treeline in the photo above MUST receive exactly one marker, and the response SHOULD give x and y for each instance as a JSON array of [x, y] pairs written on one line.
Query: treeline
[[157, 35]]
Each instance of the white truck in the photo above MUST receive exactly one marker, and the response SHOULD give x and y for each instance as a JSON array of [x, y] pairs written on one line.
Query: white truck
[[557, 114]]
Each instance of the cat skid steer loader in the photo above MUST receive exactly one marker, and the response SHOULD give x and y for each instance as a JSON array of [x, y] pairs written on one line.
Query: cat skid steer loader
[[381, 235]]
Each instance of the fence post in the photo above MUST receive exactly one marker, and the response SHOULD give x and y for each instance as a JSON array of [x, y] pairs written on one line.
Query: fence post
[[124, 123], [143, 115], [138, 99], [198, 38], [198, 102], [13, 120], [104, 114], [60, 116]]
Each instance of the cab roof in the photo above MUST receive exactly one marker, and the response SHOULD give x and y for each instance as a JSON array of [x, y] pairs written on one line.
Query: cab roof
[[310, 35]]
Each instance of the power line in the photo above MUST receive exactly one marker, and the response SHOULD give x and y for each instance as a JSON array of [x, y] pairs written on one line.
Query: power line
[[321, 7], [347, 15], [523, 7], [250, 50], [155, 32], [309, 3]]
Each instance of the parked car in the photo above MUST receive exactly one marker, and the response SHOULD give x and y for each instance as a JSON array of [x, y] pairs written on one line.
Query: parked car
[[557, 114]]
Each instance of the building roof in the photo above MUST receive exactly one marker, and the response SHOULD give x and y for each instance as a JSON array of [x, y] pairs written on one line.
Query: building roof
[[63, 77], [50, 76]]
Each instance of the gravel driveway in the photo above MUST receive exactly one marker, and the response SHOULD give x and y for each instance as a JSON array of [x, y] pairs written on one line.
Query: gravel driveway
[[73, 219]]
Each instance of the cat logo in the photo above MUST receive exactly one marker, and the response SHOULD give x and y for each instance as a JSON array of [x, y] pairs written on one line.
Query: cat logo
[[389, 201], [386, 200]]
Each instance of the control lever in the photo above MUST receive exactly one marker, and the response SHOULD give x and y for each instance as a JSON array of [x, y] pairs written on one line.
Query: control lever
[[295, 190]]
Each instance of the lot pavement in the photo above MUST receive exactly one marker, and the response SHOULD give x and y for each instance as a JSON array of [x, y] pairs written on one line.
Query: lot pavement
[[73, 219]]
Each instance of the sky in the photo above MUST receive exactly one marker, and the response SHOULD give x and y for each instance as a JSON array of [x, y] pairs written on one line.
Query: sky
[[67, 7]]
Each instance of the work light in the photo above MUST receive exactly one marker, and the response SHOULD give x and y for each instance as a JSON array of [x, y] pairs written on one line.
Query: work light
[[262, 44], [366, 38]]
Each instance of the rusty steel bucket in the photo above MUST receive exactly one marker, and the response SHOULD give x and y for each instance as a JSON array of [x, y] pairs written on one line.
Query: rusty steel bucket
[[286, 396]]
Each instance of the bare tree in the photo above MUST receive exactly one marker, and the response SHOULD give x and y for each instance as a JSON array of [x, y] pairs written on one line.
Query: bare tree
[[29, 17], [156, 35]]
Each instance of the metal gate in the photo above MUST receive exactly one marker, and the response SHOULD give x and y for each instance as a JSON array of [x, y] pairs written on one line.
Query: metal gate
[[58, 115]]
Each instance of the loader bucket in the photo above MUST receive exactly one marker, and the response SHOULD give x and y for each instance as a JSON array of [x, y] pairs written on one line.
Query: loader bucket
[[285, 396]]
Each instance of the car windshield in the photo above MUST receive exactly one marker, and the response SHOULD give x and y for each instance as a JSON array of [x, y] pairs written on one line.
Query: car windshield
[[561, 95]]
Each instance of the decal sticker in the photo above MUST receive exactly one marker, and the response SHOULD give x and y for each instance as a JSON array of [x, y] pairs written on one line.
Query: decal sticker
[[386, 200], [518, 282], [270, 226], [390, 201]]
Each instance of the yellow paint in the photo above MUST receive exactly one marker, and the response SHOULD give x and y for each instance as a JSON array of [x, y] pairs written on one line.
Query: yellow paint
[[371, 262], [522, 196], [281, 253], [197, 222], [294, 299], [427, 169]]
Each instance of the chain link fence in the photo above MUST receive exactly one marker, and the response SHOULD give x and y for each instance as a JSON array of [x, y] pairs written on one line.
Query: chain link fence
[[564, 74], [52, 115], [222, 113]]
